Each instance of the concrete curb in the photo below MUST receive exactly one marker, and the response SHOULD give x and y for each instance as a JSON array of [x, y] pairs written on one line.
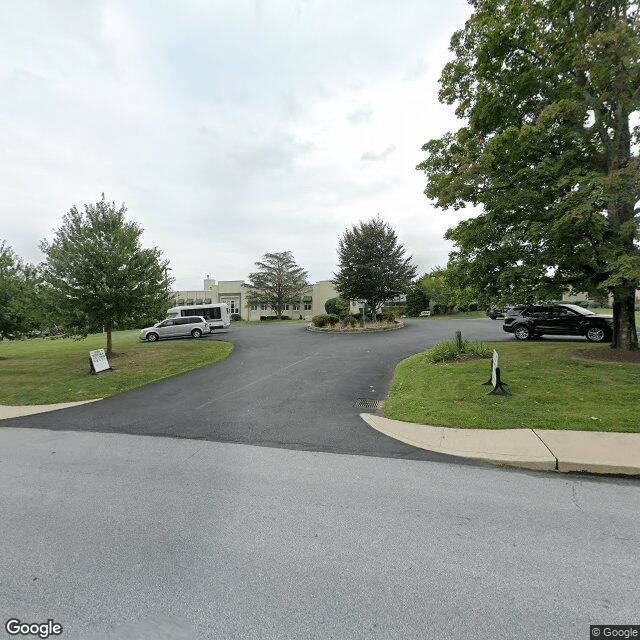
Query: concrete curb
[[594, 451], [545, 450]]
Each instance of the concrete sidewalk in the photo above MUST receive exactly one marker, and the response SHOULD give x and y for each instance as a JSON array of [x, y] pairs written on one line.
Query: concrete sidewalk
[[27, 410], [548, 450]]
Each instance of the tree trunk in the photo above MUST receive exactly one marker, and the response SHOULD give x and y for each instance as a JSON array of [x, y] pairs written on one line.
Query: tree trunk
[[625, 335]]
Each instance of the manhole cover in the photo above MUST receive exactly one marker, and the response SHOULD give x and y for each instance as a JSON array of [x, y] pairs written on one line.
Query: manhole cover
[[364, 403]]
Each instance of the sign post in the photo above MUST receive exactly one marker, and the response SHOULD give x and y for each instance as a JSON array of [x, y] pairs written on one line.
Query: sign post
[[98, 361], [499, 387]]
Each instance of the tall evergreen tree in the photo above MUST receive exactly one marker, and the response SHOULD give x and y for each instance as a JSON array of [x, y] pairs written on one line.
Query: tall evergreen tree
[[372, 265], [278, 282], [97, 275]]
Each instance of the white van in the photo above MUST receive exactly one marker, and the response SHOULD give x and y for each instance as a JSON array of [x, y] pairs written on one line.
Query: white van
[[216, 315]]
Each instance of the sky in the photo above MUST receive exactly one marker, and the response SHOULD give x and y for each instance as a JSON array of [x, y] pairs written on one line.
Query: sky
[[229, 129]]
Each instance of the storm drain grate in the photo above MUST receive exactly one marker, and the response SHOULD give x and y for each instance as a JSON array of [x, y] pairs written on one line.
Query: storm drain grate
[[364, 403]]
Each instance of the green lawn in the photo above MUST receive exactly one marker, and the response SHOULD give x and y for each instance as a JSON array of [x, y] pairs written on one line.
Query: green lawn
[[553, 386], [481, 313], [43, 371]]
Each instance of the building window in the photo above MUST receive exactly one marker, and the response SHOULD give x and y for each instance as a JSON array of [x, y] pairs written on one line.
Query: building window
[[254, 307], [307, 306], [296, 307], [264, 307], [232, 306], [285, 307]]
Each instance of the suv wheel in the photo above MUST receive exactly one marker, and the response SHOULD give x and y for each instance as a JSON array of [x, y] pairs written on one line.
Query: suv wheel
[[196, 333], [521, 332], [152, 337], [596, 334]]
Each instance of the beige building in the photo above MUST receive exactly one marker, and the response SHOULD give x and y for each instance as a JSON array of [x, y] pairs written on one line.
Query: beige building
[[235, 294], [583, 297]]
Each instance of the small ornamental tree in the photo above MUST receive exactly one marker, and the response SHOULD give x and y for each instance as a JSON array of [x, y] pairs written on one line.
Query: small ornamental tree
[[372, 265], [97, 275], [19, 306], [279, 281]]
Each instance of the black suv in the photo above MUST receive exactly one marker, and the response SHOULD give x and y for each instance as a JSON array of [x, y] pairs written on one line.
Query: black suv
[[558, 319]]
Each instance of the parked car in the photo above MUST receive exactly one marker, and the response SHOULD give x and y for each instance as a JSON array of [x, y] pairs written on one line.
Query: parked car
[[193, 326], [558, 319], [425, 314]]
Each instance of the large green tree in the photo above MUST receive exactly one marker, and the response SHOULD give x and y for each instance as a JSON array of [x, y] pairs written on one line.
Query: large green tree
[[97, 275], [278, 282], [372, 265], [20, 307], [549, 90]]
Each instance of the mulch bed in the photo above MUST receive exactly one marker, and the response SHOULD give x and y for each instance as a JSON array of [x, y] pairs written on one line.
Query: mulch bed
[[605, 353]]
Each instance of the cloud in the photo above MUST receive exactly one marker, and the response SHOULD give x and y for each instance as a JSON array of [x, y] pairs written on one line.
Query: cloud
[[363, 114], [370, 156], [228, 129]]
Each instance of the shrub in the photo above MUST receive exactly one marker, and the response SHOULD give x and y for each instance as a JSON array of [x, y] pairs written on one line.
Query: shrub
[[320, 320], [268, 317], [337, 306], [333, 319], [234, 317], [449, 350], [348, 321]]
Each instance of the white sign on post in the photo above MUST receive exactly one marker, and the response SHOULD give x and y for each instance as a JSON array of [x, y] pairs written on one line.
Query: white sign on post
[[494, 368], [499, 387], [99, 361]]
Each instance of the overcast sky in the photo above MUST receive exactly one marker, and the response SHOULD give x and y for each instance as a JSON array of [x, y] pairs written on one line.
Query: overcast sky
[[229, 128]]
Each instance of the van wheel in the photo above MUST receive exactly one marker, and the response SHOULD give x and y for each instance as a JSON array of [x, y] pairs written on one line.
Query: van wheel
[[196, 333], [152, 337], [521, 332]]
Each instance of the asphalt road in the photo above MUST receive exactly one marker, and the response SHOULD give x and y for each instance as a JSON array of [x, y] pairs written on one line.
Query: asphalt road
[[282, 386], [130, 537], [122, 537]]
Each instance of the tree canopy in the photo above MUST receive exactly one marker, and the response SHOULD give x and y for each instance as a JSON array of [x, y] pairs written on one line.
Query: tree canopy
[[372, 265], [20, 311], [417, 300], [97, 275], [549, 90], [278, 282]]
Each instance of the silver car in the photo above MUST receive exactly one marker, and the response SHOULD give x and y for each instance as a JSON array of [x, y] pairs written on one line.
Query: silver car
[[193, 326]]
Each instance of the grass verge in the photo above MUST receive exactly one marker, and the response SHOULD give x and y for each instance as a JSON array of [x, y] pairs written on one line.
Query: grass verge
[[44, 371], [553, 386]]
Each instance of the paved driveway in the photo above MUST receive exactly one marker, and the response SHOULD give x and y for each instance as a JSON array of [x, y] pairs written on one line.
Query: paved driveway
[[282, 386]]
